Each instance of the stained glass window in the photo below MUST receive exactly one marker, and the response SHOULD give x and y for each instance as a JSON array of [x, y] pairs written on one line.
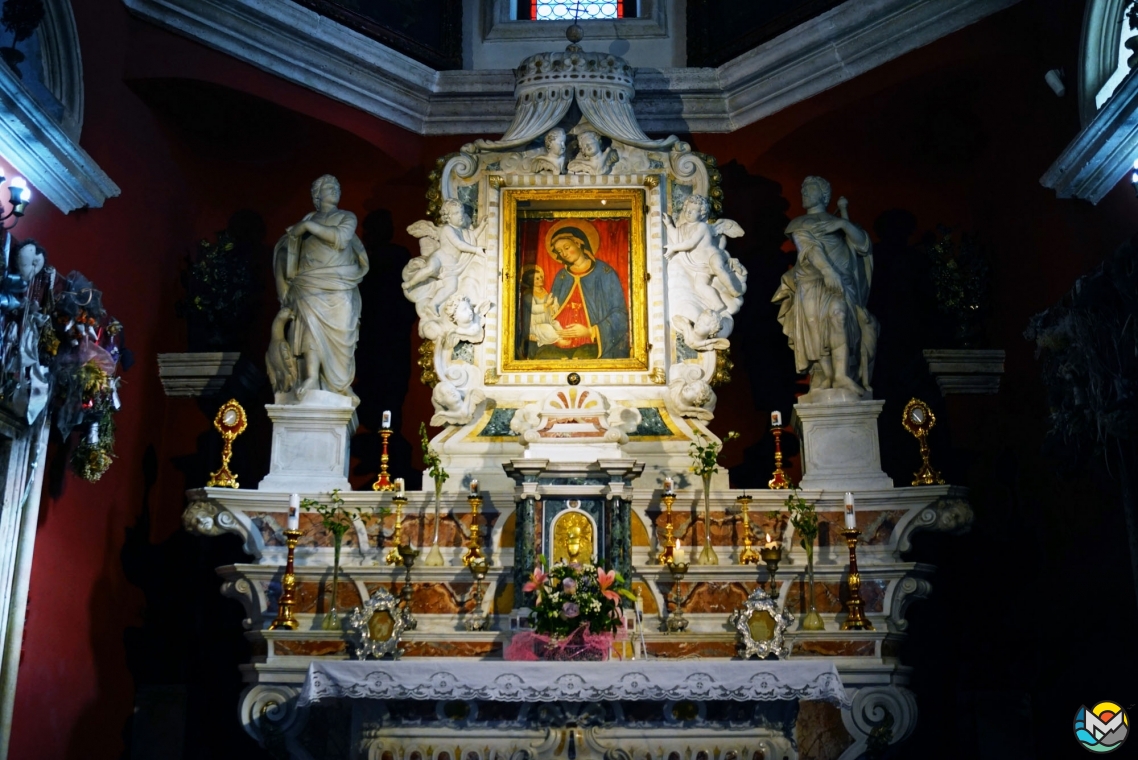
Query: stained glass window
[[567, 10]]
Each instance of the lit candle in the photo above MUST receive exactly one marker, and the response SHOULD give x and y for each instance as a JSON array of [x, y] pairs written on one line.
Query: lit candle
[[474, 488], [399, 488], [770, 544], [679, 556], [386, 421], [776, 419], [294, 512], [851, 515], [669, 487]]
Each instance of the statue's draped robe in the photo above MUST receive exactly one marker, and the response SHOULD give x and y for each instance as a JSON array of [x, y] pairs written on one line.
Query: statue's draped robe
[[605, 304], [806, 303], [324, 294]]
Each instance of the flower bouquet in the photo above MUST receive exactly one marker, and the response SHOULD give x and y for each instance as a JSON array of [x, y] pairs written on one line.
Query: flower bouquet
[[576, 615]]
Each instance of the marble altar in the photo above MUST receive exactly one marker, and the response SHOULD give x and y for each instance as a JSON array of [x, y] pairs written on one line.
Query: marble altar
[[576, 314]]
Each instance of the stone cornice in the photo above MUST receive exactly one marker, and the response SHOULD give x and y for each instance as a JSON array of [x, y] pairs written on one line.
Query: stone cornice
[[303, 47], [1103, 152]]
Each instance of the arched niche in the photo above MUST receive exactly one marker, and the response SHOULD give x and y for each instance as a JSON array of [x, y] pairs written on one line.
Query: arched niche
[[1102, 61]]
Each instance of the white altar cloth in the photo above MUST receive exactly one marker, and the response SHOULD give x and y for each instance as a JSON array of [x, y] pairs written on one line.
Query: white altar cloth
[[636, 680]]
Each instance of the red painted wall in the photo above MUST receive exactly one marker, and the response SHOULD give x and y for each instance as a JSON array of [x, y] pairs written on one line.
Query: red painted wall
[[881, 139]]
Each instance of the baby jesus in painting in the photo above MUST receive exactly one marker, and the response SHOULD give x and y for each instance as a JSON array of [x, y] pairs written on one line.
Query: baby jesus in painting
[[541, 305]]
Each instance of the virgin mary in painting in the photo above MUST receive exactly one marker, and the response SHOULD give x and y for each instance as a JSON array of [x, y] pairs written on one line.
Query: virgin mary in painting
[[585, 308]]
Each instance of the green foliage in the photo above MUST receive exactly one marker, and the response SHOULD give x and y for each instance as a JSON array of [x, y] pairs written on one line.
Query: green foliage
[[960, 282], [805, 521], [220, 291], [338, 519], [431, 458], [705, 454], [569, 596]]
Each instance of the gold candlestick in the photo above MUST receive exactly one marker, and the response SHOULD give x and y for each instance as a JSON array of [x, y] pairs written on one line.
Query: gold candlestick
[[394, 557], [665, 555], [287, 600], [408, 554], [474, 545], [779, 479], [771, 555], [383, 482], [676, 622], [478, 620], [747, 555], [856, 621], [230, 422]]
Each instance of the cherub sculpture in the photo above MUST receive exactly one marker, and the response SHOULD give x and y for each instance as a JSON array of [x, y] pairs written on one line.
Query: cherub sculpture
[[454, 406], [703, 275], [465, 321], [703, 333], [590, 158], [689, 394], [552, 161], [446, 251]]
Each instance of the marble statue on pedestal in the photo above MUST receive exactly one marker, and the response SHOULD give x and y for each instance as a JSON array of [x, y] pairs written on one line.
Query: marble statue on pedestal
[[823, 298], [318, 265]]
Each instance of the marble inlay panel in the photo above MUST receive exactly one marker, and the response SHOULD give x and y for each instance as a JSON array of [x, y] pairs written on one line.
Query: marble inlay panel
[[832, 648], [282, 647], [312, 597], [452, 648], [819, 731], [830, 597], [680, 647], [725, 597]]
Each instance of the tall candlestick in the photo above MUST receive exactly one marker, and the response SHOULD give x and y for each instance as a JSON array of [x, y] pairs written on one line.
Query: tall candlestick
[[856, 620], [383, 482], [386, 424], [851, 514], [287, 600], [776, 419]]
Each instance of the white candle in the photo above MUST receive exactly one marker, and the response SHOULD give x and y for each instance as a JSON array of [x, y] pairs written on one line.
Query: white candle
[[386, 421], [679, 556], [776, 419], [669, 486], [294, 512], [474, 488], [851, 515], [399, 487]]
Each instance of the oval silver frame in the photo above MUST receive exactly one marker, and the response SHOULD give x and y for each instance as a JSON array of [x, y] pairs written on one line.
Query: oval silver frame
[[362, 642], [777, 645]]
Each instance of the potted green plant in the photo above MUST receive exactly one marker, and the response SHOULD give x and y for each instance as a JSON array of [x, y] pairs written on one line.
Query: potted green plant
[[337, 520], [805, 522], [435, 469], [705, 463]]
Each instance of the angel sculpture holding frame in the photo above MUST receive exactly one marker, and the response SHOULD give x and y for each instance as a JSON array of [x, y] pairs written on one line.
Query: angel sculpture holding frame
[[702, 275], [446, 251]]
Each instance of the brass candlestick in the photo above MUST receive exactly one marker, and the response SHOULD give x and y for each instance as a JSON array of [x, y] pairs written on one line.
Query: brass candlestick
[[474, 545], [747, 555], [665, 555], [287, 600], [478, 620], [676, 622], [919, 419], [230, 422], [772, 555], [856, 621], [779, 480], [408, 554], [394, 557], [383, 482]]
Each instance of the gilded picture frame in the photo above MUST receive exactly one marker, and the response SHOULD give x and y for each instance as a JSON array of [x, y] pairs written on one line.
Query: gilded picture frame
[[574, 280]]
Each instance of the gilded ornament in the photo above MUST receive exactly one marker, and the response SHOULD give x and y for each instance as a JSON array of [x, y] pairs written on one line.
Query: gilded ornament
[[573, 537], [919, 419], [230, 422]]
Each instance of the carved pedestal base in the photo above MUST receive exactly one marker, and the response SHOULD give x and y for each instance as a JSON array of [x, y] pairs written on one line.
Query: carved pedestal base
[[310, 444], [840, 448]]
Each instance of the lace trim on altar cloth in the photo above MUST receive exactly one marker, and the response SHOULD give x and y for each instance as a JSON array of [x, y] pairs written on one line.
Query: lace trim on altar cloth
[[502, 681]]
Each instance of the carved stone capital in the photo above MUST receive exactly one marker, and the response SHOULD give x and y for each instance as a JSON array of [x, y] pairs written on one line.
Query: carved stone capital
[[948, 514], [879, 715], [271, 708]]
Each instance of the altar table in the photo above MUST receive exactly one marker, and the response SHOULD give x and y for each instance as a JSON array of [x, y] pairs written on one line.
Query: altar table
[[701, 679]]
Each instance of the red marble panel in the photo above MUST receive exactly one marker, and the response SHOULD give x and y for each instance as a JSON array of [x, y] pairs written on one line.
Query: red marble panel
[[430, 598], [681, 647], [452, 648], [726, 529], [725, 597], [313, 596], [309, 648], [831, 597], [834, 648], [819, 731]]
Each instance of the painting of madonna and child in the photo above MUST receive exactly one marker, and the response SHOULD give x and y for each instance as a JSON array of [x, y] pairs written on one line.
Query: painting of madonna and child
[[579, 293]]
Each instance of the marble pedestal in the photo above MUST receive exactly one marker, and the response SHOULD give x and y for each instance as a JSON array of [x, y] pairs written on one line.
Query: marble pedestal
[[310, 444], [840, 447]]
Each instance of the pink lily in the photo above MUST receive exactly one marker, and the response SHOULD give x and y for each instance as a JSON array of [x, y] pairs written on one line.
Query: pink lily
[[606, 580], [536, 580]]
